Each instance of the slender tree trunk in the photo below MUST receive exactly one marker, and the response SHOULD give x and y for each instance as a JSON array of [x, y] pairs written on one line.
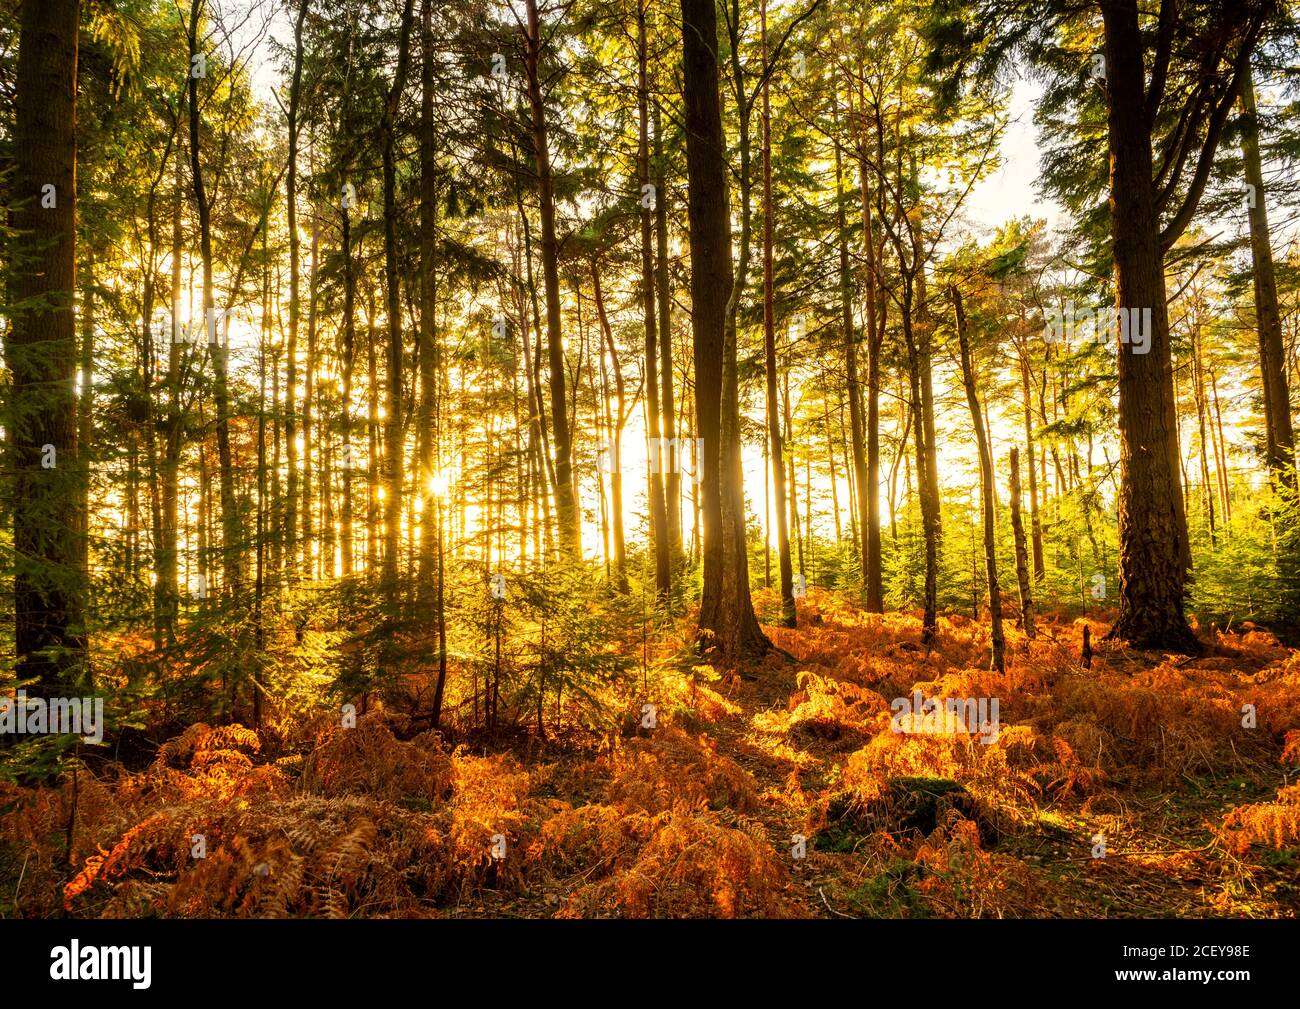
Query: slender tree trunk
[[309, 396], [788, 613], [393, 412], [616, 433], [428, 346], [659, 530], [346, 365], [1272, 351], [168, 595], [218, 344], [372, 437], [1198, 393], [1022, 554], [1035, 524], [566, 497], [988, 505], [663, 290], [867, 464], [291, 342], [924, 476]]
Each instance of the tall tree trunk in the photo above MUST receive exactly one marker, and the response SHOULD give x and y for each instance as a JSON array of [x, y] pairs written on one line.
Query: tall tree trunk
[[374, 456], [788, 613], [1198, 394], [616, 433], [309, 395], [663, 289], [218, 343], [988, 506], [168, 595], [1022, 554], [428, 347], [727, 621], [393, 414], [1153, 549], [346, 366], [291, 343], [924, 474], [85, 430], [566, 497], [42, 350], [1036, 527], [867, 464], [659, 530], [1268, 321]]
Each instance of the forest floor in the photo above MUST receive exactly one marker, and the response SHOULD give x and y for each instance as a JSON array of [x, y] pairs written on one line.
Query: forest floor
[[1140, 787]]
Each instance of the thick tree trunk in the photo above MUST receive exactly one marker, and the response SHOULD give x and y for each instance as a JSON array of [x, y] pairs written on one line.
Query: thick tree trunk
[[1153, 549], [42, 350], [727, 620]]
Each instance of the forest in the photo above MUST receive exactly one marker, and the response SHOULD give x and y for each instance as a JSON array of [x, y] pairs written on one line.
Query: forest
[[649, 459]]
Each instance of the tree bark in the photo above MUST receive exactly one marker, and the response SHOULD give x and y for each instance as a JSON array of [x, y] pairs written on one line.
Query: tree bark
[[566, 497], [393, 408], [291, 342], [1153, 549], [998, 659], [727, 621], [42, 350], [659, 530], [789, 616], [1022, 553], [1272, 351]]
